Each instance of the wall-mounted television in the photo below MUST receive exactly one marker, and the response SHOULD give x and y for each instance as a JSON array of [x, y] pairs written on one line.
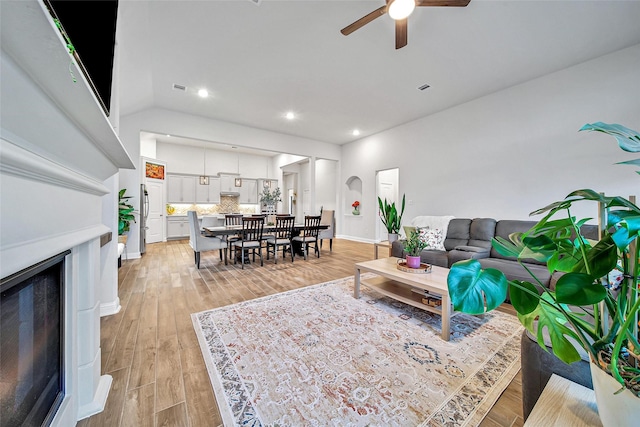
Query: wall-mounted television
[[90, 27]]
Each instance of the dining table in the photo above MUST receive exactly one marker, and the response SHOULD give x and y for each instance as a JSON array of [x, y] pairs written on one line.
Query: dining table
[[228, 230]]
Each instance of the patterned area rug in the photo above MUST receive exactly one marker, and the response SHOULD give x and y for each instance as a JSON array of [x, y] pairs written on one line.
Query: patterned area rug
[[316, 357]]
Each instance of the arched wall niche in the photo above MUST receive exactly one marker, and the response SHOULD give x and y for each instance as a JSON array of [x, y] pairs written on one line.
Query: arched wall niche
[[352, 193]]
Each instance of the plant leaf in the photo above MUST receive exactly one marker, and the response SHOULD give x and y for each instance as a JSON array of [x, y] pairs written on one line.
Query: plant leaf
[[553, 320], [628, 139], [601, 259], [470, 287], [579, 289], [521, 300], [508, 248]]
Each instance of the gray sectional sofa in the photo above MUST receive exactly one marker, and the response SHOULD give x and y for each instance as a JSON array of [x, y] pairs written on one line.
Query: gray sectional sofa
[[471, 239]]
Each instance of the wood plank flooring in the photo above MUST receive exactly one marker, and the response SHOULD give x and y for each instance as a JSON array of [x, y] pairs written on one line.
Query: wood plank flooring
[[151, 350]]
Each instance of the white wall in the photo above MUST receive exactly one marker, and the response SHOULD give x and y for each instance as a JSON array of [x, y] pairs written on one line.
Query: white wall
[[326, 184], [509, 153]]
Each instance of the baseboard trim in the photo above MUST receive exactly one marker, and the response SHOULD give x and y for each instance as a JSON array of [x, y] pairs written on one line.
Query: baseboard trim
[[110, 308], [99, 399], [356, 239]]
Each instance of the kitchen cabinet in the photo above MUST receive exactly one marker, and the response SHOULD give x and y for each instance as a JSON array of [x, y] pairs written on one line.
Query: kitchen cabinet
[[177, 227], [228, 184], [181, 189], [249, 191], [209, 194]]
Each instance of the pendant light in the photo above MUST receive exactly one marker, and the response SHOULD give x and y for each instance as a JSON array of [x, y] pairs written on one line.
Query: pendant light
[[204, 179]]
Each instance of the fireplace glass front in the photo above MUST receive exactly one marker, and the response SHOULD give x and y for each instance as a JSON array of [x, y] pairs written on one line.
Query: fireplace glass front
[[31, 344]]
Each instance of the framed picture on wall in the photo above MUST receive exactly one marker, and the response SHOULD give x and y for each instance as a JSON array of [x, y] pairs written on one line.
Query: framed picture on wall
[[153, 170]]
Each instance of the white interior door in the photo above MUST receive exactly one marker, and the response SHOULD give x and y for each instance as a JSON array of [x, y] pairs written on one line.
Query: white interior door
[[387, 189], [155, 218]]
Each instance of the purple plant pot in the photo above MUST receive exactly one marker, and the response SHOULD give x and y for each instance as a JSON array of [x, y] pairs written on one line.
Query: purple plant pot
[[413, 261]]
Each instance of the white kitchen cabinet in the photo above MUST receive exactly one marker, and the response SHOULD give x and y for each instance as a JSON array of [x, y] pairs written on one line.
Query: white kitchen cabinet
[[210, 193], [228, 184], [181, 189], [177, 227], [249, 191]]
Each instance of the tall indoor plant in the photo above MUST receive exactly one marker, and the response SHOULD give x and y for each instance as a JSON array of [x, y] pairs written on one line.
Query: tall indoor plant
[[390, 217], [585, 309]]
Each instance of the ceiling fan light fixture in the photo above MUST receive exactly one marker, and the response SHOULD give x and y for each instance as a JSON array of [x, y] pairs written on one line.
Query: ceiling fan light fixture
[[400, 9]]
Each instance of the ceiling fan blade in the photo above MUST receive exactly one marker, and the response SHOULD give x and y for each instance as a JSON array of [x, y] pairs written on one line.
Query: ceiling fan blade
[[364, 20], [401, 33], [455, 3]]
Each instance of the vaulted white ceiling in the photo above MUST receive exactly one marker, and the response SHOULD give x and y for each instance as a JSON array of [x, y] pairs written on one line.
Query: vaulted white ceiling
[[260, 61]]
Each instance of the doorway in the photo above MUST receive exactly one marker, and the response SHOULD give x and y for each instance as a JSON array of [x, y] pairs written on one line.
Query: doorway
[[386, 188], [153, 219]]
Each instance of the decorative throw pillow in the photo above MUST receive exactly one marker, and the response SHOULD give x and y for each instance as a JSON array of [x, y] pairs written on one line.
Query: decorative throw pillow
[[434, 238], [408, 229]]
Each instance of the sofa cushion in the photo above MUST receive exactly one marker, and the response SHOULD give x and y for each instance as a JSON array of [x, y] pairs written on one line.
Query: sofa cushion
[[467, 248], [457, 233], [514, 271], [466, 252], [481, 232], [432, 257]]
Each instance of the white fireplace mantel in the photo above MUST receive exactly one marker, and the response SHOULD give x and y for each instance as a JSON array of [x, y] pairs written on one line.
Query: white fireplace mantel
[[58, 157]]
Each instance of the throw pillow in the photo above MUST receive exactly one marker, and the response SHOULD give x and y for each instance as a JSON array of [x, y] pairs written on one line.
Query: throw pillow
[[408, 229], [433, 237]]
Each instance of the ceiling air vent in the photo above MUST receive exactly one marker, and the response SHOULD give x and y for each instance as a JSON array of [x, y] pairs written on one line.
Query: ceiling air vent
[[176, 86], [424, 86]]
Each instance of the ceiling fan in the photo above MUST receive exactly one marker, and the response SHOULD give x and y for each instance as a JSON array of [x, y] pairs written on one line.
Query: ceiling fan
[[399, 10]]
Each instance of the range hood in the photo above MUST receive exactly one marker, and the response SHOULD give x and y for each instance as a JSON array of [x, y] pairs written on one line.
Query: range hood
[[229, 193]]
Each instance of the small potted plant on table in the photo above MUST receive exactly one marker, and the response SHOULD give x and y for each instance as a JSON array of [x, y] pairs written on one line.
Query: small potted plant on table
[[413, 246]]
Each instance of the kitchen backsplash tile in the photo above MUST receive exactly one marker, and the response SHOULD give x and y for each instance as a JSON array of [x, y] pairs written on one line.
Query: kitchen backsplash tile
[[227, 204]]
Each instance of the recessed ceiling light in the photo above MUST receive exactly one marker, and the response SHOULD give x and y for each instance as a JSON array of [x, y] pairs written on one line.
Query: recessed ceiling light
[[290, 115], [168, 136], [355, 132], [203, 93]]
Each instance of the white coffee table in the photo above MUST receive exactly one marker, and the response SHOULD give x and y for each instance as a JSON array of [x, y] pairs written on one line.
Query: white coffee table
[[400, 286]]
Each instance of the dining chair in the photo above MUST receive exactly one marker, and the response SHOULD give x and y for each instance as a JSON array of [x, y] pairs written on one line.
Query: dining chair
[[328, 217], [250, 239], [309, 234], [281, 237], [232, 219], [199, 243], [207, 221]]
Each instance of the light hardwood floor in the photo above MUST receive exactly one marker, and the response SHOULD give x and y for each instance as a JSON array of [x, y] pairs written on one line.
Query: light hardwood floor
[[151, 350]]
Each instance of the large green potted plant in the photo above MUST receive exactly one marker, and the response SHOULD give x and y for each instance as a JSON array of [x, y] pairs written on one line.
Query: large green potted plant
[[584, 309], [390, 217], [125, 212]]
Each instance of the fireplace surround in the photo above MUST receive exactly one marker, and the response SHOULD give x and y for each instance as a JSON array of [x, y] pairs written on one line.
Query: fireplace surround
[[59, 164]]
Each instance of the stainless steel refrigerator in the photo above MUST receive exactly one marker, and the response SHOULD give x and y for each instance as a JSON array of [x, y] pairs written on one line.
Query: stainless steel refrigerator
[[144, 212]]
